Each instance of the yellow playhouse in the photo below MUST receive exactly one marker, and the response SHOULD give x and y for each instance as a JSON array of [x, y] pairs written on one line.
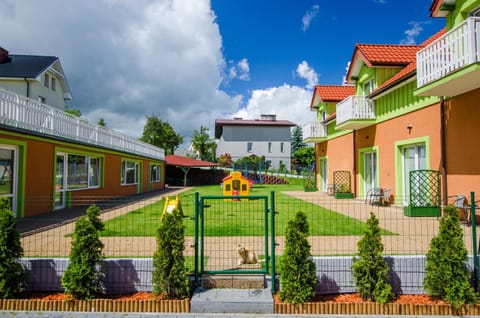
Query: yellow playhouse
[[236, 184]]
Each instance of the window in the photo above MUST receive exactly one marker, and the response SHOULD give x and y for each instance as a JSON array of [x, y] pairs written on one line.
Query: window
[[281, 147], [53, 84], [368, 87], [269, 147], [155, 173], [82, 172], [42, 99], [46, 80], [129, 172], [249, 146]]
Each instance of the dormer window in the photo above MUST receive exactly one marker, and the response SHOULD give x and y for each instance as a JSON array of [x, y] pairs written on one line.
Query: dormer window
[[46, 80], [368, 87]]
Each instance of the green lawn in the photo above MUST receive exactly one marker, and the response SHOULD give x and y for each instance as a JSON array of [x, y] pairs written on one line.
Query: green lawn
[[238, 218]]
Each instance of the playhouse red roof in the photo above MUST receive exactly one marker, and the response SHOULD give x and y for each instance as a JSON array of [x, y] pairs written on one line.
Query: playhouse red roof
[[173, 160]]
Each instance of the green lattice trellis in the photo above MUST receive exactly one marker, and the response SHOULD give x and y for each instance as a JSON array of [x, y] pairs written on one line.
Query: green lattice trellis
[[424, 193], [342, 184]]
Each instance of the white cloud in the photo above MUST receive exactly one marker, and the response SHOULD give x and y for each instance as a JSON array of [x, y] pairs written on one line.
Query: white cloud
[[286, 101], [309, 16], [308, 73], [244, 69], [412, 33], [127, 60]]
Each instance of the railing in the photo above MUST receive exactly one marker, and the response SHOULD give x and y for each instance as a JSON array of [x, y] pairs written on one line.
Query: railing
[[23, 113], [355, 108], [456, 49], [314, 129]]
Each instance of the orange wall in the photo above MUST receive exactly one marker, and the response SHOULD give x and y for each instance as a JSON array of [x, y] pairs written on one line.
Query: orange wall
[[462, 122]]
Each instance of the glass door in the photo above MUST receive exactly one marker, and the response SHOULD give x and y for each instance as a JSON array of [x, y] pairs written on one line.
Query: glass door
[[414, 158], [60, 181], [8, 175], [324, 174], [369, 171]]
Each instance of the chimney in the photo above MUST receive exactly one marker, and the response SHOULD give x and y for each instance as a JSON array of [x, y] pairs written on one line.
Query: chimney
[[3, 55], [269, 117]]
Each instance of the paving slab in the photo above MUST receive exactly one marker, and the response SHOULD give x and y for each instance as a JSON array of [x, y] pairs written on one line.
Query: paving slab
[[231, 300]]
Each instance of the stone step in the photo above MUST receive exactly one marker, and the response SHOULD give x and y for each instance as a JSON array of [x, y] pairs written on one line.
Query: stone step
[[233, 281], [232, 300]]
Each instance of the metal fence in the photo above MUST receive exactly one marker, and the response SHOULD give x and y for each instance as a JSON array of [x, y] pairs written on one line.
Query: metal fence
[[335, 227]]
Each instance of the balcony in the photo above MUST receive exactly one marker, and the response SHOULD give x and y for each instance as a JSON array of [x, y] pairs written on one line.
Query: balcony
[[314, 132], [23, 113], [355, 112], [450, 66]]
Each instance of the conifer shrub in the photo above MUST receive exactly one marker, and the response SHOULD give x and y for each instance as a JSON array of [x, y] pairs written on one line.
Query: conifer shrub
[[83, 277], [169, 275], [446, 273], [93, 213], [298, 275], [12, 274], [370, 270]]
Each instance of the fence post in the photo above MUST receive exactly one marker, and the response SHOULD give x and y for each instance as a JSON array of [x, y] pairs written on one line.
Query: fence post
[[272, 220], [474, 241], [195, 234]]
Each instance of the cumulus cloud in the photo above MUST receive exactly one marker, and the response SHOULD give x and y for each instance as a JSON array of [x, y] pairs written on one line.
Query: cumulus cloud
[[309, 16], [239, 70], [412, 33], [308, 73], [127, 60], [286, 101]]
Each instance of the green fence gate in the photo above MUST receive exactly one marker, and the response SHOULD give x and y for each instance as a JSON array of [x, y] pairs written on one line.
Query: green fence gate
[[234, 235]]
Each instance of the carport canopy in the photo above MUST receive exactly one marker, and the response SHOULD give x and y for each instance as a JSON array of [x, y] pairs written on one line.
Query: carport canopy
[[186, 164]]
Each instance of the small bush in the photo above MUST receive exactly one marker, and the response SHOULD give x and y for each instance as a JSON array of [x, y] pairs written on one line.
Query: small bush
[[12, 275], [83, 277], [370, 271], [93, 213], [298, 275], [169, 275], [447, 276]]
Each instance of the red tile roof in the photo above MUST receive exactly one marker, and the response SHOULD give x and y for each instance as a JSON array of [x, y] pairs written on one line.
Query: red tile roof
[[331, 93], [173, 160]]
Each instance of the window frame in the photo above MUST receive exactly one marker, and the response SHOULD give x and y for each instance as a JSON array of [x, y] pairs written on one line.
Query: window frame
[[89, 172], [124, 171], [46, 80], [158, 177], [270, 147], [249, 146], [52, 86]]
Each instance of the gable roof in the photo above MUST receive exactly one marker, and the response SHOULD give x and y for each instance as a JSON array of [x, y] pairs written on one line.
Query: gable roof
[[179, 161], [15, 66], [330, 93], [376, 55], [219, 123]]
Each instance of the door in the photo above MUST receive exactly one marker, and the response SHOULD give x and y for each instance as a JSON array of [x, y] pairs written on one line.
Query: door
[[413, 158], [369, 171], [324, 174], [60, 181], [8, 175]]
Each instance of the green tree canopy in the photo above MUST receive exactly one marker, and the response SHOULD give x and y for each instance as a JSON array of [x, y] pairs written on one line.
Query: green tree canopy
[[297, 139], [73, 111], [305, 156], [101, 122], [203, 144], [159, 133]]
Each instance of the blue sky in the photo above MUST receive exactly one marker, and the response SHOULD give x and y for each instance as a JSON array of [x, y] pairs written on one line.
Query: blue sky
[[192, 61]]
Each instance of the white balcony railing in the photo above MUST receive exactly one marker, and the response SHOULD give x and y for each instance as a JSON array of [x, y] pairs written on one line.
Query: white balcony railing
[[355, 108], [456, 49], [23, 113], [314, 129]]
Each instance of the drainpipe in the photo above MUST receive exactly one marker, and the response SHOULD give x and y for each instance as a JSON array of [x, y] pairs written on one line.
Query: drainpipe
[[28, 87], [443, 155]]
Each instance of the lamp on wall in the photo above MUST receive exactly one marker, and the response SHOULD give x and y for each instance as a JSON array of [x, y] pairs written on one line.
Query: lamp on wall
[[409, 127]]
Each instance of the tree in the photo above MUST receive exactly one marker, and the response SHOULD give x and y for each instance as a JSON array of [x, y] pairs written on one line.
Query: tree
[[73, 111], [12, 275], [203, 144], [370, 270], [305, 156], [101, 122], [159, 133], [93, 214], [83, 277], [169, 275], [447, 276], [298, 275], [297, 139], [225, 160]]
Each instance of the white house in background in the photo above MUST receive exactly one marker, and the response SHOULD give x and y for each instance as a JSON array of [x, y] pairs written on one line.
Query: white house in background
[[266, 136], [40, 78]]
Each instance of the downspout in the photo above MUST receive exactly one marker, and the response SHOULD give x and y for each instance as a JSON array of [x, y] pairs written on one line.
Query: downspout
[[443, 154], [354, 163], [28, 87]]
